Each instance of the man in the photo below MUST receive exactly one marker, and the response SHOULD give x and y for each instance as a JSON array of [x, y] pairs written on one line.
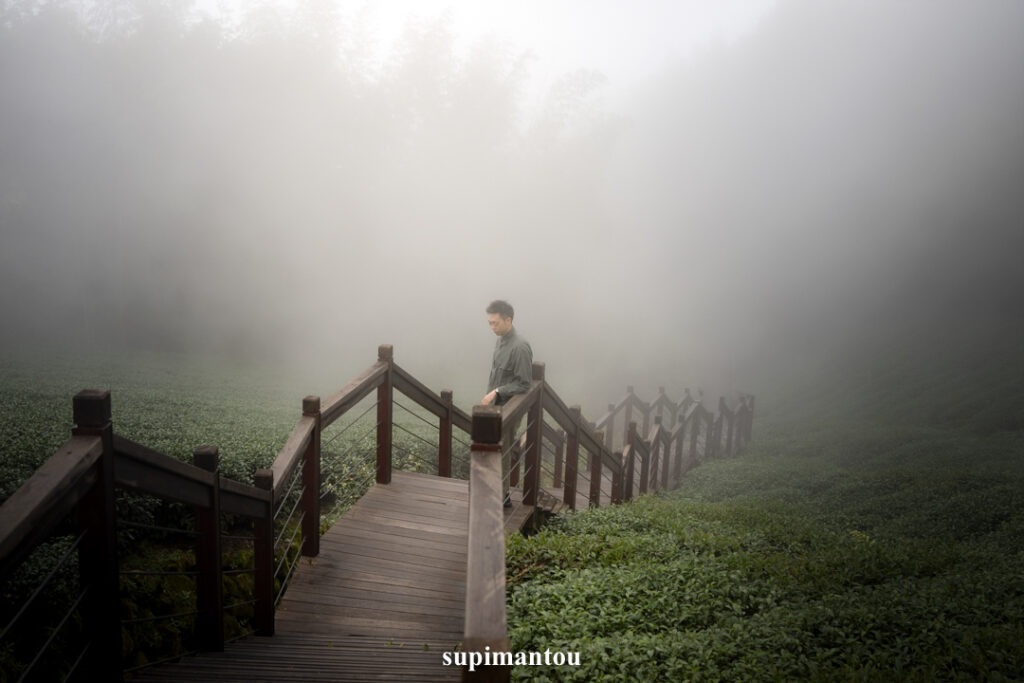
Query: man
[[512, 365], [511, 370]]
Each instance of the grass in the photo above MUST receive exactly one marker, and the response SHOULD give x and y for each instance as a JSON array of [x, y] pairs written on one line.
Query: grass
[[792, 564], [874, 535]]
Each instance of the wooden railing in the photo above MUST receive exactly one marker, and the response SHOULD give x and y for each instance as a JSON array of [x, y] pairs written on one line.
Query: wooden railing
[[284, 504], [81, 478], [283, 507], [657, 462]]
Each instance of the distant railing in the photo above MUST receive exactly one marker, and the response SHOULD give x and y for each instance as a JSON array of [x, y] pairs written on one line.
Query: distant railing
[[643, 465]]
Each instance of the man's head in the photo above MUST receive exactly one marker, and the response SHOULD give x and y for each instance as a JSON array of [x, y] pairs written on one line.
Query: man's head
[[499, 317]]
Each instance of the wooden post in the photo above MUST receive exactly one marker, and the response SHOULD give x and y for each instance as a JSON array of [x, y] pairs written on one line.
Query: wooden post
[[556, 479], [727, 415], [679, 440], [595, 474], [645, 467], [209, 586], [385, 408], [263, 554], [444, 436], [630, 456], [630, 398], [610, 427], [673, 413], [654, 461], [666, 458], [618, 480], [572, 458], [311, 481], [695, 420], [534, 441], [97, 554], [485, 625], [647, 419]]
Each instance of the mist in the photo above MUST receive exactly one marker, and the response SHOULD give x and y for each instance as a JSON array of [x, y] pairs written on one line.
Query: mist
[[284, 186]]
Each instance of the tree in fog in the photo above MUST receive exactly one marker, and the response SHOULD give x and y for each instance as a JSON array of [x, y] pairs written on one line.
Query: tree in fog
[[169, 181]]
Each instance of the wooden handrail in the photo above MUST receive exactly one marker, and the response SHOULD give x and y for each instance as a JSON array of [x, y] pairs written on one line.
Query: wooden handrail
[[145, 470], [290, 455], [485, 623], [427, 399], [564, 418], [353, 392], [53, 490]]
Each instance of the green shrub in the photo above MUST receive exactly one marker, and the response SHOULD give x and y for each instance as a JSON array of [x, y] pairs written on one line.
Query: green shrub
[[840, 553]]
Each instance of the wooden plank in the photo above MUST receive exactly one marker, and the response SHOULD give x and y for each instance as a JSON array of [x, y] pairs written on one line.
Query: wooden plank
[[386, 546], [412, 496], [376, 526], [452, 583], [428, 511], [418, 545], [398, 518], [430, 481], [376, 593], [412, 586]]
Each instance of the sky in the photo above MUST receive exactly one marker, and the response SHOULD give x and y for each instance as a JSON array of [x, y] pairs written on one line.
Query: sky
[[670, 193]]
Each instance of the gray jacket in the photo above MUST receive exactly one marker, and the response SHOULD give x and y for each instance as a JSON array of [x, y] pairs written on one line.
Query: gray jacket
[[512, 367]]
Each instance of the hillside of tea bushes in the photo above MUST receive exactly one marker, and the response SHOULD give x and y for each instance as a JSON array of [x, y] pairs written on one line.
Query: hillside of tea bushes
[[870, 537]]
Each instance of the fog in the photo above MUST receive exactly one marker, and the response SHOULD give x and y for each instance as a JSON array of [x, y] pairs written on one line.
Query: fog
[[288, 185]]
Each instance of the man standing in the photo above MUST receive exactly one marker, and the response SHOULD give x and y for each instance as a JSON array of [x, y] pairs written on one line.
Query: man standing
[[512, 365], [511, 370]]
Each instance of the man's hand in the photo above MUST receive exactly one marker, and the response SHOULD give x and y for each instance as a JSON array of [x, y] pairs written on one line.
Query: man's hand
[[489, 398]]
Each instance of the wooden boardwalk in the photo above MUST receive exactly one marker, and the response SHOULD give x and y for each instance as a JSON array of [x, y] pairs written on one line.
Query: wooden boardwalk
[[381, 602]]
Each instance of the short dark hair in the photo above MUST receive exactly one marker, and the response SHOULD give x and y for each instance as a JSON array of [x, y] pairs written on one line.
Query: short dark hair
[[502, 308]]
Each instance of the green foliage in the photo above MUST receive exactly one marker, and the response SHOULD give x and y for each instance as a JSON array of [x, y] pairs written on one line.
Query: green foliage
[[843, 552], [170, 402]]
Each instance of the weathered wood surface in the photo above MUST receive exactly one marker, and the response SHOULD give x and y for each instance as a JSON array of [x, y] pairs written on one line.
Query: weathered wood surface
[[381, 602], [485, 623], [52, 491]]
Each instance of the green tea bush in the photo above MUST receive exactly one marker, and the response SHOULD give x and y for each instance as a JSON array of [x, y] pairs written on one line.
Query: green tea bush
[[876, 553]]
